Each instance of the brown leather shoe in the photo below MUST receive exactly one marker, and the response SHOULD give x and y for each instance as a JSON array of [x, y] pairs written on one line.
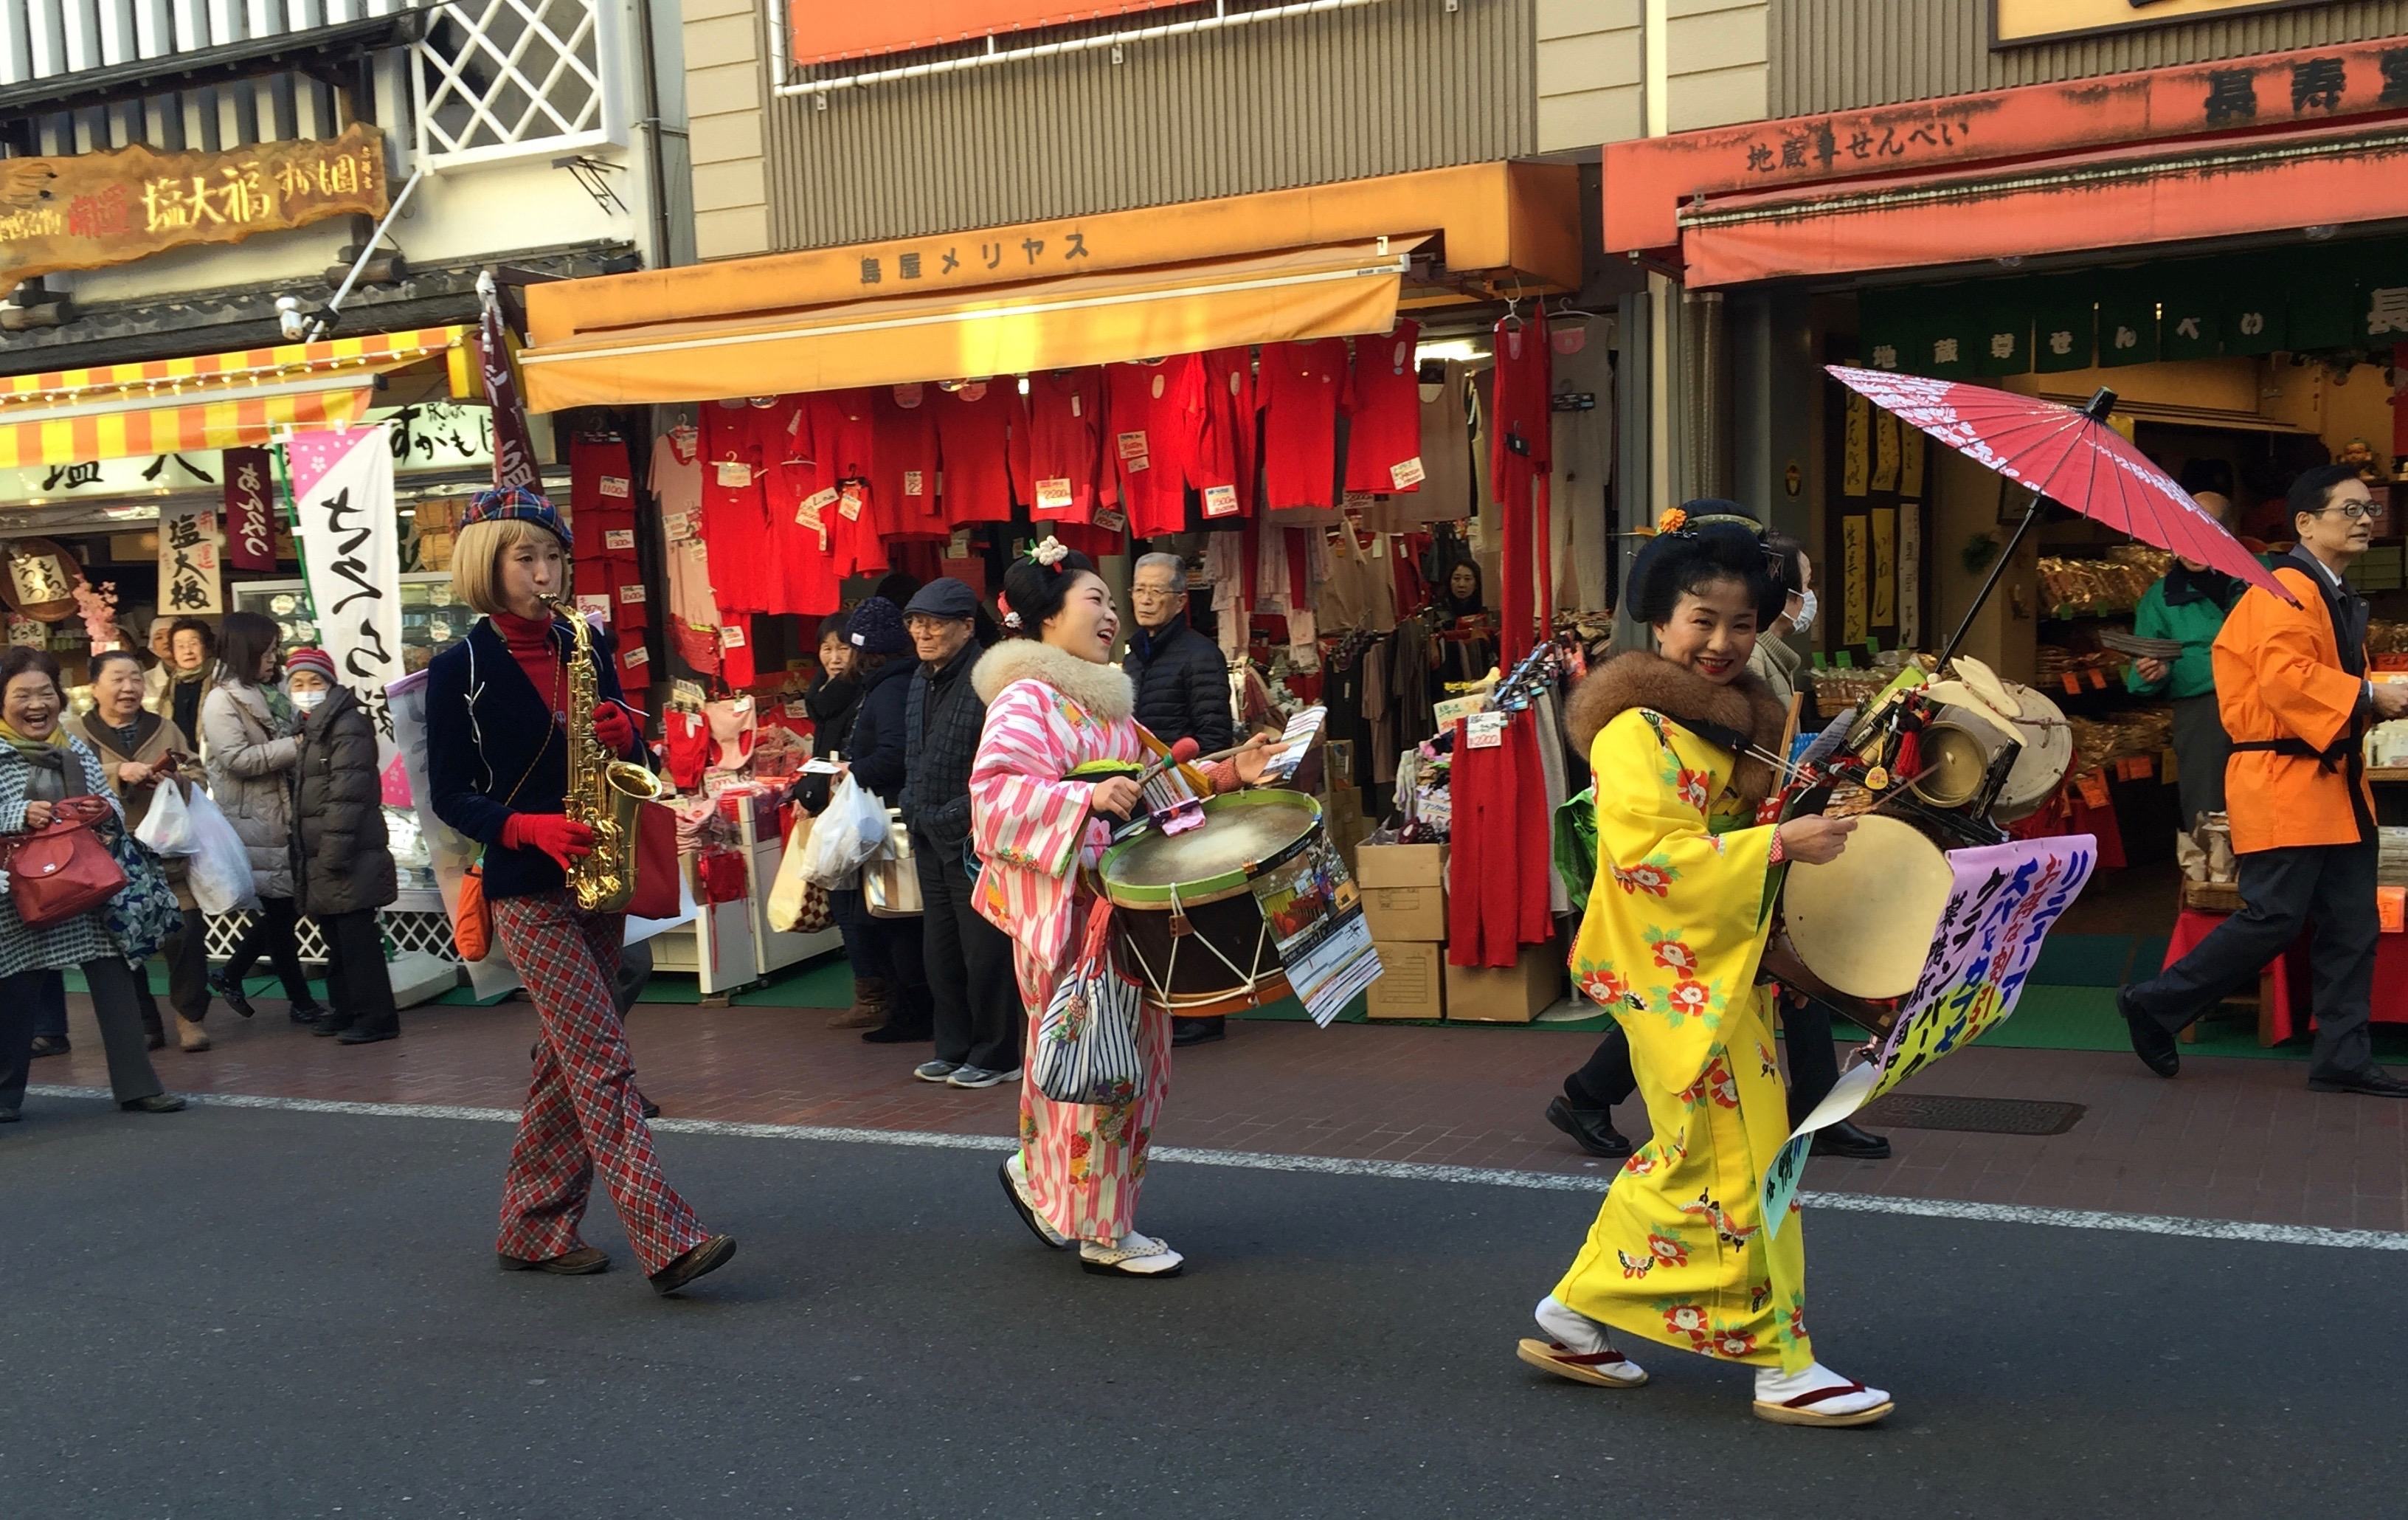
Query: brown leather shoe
[[708, 1257], [583, 1262], [189, 1035]]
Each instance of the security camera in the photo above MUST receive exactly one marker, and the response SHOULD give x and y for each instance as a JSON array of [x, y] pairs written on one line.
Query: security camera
[[289, 320]]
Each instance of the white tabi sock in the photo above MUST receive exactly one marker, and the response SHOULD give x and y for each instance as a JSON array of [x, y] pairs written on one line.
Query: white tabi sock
[[1773, 1386]]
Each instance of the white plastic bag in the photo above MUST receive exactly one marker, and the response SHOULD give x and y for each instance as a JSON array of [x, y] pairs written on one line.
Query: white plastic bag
[[167, 827], [795, 906], [846, 835], [219, 875]]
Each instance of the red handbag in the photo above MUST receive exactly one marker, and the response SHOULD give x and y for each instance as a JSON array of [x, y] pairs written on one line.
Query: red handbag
[[657, 863], [62, 870]]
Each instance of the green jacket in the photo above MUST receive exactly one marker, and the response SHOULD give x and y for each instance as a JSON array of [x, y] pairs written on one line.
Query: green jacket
[[2194, 623]]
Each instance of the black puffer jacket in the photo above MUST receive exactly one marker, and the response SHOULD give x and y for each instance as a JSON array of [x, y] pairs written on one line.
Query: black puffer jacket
[[340, 860], [833, 704], [878, 741], [944, 719], [1183, 686]]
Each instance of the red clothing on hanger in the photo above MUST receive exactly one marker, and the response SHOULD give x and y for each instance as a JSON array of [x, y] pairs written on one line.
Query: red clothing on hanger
[[735, 512], [1383, 438], [1304, 387], [903, 486], [982, 436], [1065, 448], [1519, 459], [1153, 418], [1228, 437]]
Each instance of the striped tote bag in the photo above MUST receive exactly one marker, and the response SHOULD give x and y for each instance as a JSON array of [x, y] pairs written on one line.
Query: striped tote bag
[[1087, 1043]]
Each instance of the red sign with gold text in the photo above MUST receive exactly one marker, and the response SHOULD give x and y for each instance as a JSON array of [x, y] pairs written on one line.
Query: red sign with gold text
[[824, 31]]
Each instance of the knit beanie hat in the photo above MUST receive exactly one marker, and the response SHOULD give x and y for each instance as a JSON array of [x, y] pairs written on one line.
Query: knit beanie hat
[[877, 628]]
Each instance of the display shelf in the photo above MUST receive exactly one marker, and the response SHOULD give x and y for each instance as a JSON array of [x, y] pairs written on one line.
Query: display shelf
[[2387, 773]]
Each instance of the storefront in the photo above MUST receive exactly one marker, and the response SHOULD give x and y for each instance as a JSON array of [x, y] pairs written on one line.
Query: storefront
[[2219, 245], [1292, 390]]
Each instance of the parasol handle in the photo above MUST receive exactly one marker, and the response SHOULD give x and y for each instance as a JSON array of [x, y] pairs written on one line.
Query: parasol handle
[[2101, 402]]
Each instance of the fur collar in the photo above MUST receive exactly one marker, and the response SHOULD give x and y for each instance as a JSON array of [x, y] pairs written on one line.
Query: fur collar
[[1643, 680], [1104, 690]]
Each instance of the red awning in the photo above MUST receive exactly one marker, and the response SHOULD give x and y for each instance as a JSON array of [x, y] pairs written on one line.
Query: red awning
[[2077, 203]]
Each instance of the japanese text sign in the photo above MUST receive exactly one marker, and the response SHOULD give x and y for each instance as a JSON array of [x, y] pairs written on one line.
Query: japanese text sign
[[351, 544], [250, 510], [188, 561], [91, 210]]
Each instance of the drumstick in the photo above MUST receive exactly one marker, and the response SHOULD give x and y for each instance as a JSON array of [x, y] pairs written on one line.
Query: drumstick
[[1183, 753]]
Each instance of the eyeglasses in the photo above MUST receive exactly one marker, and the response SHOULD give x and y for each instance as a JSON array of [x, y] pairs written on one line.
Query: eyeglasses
[[2351, 509], [1152, 593], [919, 622]]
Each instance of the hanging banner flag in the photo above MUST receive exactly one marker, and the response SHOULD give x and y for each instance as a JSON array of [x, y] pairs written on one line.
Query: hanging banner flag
[[250, 510], [188, 561], [350, 545], [513, 443]]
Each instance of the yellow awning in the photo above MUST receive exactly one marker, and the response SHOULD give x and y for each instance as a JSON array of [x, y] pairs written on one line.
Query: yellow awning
[[1086, 319], [210, 401]]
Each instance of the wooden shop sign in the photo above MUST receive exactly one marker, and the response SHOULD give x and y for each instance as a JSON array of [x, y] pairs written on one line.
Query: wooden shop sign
[[93, 210]]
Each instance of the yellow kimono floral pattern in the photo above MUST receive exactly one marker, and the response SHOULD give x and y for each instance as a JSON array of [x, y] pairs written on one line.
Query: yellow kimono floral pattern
[[1674, 929]]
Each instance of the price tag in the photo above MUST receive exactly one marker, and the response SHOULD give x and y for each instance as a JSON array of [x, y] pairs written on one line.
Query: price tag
[[2072, 685], [2097, 680], [915, 482], [1131, 466], [635, 656], [1484, 731], [633, 591], [615, 486], [734, 475], [731, 635], [2142, 767], [795, 710], [596, 606], [2093, 788], [618, 538], [1110, 519], [681, 525], [1132, 446], [851, 499], [1054, 496], [1407, 475], [1078, 405], [1220, 501], [958, 546], [813, 507]]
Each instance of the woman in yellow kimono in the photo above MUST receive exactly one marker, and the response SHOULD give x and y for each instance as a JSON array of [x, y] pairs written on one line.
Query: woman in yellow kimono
[[1670, 940]]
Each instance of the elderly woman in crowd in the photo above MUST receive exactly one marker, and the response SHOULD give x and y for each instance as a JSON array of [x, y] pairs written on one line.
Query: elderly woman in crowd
[[342, 864], [139, 753], [41, 768]]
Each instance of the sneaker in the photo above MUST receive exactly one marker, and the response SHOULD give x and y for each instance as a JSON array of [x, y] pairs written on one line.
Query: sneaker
[[977, 1076], [935, 1070]]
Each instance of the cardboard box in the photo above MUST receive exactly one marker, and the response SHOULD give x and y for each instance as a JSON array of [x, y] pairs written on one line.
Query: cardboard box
[[1412, 982], [1416, 914], [1401, 866], [1513, 995]]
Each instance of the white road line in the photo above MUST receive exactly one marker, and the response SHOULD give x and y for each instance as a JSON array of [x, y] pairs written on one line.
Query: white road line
[[1404, 1171]]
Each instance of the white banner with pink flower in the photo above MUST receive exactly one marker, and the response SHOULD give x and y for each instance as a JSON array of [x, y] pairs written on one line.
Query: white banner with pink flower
[[2002, 904], [350, 546]]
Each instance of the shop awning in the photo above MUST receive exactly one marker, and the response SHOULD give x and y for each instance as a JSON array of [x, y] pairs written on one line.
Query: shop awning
[[1326, 291], [214, 400], [2079, 203]]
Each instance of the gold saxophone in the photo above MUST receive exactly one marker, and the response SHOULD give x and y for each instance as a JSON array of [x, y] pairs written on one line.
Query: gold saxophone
[[604, 791]]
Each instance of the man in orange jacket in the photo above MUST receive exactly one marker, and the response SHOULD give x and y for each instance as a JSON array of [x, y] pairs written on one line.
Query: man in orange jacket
[[2291, 684]]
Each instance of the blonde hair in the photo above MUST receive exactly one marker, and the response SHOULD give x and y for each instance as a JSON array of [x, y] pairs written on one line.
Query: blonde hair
[[477, 559]]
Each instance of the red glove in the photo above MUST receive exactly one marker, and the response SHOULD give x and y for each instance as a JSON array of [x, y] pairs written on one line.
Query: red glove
[[555, 834], [614, 728]]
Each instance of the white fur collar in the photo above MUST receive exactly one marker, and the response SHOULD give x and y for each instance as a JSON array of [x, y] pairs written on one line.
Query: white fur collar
[[1103, 690]]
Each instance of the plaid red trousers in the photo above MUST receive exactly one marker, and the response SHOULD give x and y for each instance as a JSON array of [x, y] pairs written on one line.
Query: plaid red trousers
[[581, 1110]]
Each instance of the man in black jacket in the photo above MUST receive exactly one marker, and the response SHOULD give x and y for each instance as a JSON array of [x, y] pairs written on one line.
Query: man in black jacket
[[978, 1014], [1183, 691]]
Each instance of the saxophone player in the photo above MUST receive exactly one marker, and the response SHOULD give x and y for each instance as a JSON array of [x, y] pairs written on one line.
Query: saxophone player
[[499, 747]]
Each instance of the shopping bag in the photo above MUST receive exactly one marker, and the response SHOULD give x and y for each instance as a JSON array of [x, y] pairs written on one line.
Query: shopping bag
[[659, 889], [472, 921], [890, 882], [795, 906], [61, 871], [1088, 1041], [167, 827], [845, 837], [220, 874]]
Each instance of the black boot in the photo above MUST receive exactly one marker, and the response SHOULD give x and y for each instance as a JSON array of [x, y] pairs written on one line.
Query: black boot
[[1591, 1130], [1186, 1032], [1847, 1142], [232, 992]]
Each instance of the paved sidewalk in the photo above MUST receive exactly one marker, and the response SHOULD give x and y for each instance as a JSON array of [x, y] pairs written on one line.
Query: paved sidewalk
[[2237, 1140]]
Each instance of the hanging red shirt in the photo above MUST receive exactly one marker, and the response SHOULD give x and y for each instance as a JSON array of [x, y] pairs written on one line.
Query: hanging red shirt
[[982, 441], [1229, 437], [835, 453], [903, 487], [734, 514], [1303, 387], [1066, 444], [1152, 425], [1383, 438]]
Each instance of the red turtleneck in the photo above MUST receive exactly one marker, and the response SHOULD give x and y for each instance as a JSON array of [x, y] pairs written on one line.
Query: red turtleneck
[[531, 644]]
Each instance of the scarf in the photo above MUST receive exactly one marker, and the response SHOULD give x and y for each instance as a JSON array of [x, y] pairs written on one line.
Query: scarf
[[33, 749], [2185, 585]]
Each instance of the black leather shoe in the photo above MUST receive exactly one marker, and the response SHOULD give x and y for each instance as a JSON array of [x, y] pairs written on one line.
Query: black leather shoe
[[233, 994], [708, 1257], [898, 1034], [1591, 1130], [367, 1034], [1188, 1032], [329, 1026], [651, 1110], [2152, 1041], [2372, 1081], [306, 1013], [154, 1039], [1850, 1143], [49, 1045], [155, 1103]]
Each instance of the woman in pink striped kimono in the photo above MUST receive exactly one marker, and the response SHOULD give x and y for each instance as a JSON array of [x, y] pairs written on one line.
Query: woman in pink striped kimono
[[1055, 702]]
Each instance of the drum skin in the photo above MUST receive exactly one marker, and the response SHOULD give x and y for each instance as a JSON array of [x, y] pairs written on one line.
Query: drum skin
[[1865, 923], [2047, 755], [1213, 954]]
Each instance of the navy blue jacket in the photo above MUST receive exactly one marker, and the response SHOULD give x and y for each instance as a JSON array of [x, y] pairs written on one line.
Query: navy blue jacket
[[1183, 686], [879, 744], [944, 718], [487, 727]]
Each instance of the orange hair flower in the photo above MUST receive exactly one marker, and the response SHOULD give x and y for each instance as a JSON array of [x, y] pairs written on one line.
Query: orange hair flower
[[1674, 521]]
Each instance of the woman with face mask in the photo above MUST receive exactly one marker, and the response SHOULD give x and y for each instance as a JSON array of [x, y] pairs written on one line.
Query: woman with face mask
[[342, 868], [1775, 662], [247, 733]]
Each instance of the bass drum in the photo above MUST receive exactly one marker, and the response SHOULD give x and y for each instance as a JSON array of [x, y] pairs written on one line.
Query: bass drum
[[1862, 926], [1188, 929], [2047, 755]]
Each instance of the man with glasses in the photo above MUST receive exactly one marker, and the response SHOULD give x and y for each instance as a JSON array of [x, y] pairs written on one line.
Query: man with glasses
[[2291, 683], [1182, 690]]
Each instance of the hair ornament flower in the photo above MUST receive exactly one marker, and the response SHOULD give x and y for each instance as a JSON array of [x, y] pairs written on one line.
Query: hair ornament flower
[[1049, 553], [1003, 605], [1674, 521]]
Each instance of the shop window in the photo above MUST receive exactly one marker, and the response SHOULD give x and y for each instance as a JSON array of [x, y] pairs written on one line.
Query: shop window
[[506, 79]]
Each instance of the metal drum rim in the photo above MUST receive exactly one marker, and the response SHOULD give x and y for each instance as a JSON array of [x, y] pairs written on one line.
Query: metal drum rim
[[1226, 884]]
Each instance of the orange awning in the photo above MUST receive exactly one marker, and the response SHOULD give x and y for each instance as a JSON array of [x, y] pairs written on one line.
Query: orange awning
[[210, 401], [2078, 203], [1058, 323]]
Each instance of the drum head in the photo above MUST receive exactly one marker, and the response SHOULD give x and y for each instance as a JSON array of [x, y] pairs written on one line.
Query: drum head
[[2048, 754], [1865, 923], [1242, 832]]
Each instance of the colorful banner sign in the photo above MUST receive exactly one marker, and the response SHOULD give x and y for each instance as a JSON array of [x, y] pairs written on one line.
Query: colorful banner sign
[[510, 443], [1315, 913], [2004, 900], [250, 509], [350, 546]]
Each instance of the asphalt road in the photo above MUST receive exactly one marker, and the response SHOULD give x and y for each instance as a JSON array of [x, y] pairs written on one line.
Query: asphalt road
[[251, 1314]]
